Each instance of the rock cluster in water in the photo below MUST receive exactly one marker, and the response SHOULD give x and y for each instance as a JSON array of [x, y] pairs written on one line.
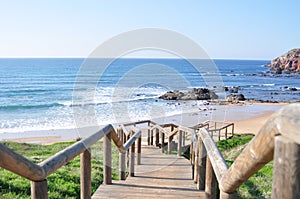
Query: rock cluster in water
[[286, 63], [235, 98], [195, 94]]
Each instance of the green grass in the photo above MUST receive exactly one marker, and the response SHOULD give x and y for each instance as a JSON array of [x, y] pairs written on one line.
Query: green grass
[[257, 186], [65, 182], [260, 184]]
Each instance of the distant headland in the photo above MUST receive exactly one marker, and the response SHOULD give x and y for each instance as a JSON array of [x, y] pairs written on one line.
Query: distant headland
[[286, 63]]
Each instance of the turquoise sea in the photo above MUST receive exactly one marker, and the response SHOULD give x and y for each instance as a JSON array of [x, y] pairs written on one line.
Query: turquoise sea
[[42, 94]]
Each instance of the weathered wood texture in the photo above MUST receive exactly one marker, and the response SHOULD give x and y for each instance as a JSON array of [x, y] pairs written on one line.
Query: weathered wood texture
[[210, 181], [286, 173], [261, 149], [216, 158], [160, 176], [39, 189], [85, 174], [179, 146], [139, 150], [16, 163], [132, 158], [107, 170], [201, 165]]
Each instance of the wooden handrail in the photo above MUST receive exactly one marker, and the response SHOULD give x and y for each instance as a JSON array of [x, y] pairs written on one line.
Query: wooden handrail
[[37, 173], [280, 134], [216, 158], [18, 164], [260, 150], [58, 160], [135, 135]]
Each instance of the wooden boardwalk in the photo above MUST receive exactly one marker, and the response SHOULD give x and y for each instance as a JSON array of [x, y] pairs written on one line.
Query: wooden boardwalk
[[159, 176]]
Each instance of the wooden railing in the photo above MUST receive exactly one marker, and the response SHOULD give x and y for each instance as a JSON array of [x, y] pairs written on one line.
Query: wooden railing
[[278, 139], [223, 129], [37, 173]]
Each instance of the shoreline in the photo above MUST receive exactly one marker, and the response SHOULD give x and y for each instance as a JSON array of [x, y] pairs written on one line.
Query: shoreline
[[248, 117]]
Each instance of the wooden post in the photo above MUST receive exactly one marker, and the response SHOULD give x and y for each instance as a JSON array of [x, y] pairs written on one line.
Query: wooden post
[[39, 189], [202, 165], [179, 143], [192, 158], [132, 157], [162, 142], [219, 136], [122, 165], [286, 175], [139, 150], [183, 138], [148, 138], [224, 195], [120, 132], [170, 144], [210, 181], [85, 174], [151, 137], [226, 133], [196, 165], [107, 175], [157, 138]]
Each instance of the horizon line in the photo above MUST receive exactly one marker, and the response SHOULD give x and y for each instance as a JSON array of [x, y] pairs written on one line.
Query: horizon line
[[74, 57]]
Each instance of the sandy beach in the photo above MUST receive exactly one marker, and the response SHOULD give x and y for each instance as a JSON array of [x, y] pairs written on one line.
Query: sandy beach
[[247, 118]]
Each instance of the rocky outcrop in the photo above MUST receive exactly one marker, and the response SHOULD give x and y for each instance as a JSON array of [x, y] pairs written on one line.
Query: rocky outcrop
[[195, 94], [287, 63], [235, 98]]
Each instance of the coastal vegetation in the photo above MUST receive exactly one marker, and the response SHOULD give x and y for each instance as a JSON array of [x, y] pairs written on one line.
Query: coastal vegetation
[[257, 186], [64, 183], [260, 184]]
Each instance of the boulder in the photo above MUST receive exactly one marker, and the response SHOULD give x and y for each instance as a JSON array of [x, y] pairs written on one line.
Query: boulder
[[235, 98], [195, 94]]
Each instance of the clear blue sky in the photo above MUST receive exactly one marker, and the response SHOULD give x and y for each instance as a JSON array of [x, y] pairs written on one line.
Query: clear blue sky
[[248, 29]]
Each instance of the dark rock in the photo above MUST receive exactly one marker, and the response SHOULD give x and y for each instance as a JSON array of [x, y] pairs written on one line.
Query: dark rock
[[235, 98], [293, 89], [195, 94]]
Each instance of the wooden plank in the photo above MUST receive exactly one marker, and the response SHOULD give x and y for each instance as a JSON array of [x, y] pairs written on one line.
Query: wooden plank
[[160, 176], [286, 173], [85, 174]]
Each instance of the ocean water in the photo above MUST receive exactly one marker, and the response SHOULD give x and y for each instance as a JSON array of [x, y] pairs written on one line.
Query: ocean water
[[43, 94]]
